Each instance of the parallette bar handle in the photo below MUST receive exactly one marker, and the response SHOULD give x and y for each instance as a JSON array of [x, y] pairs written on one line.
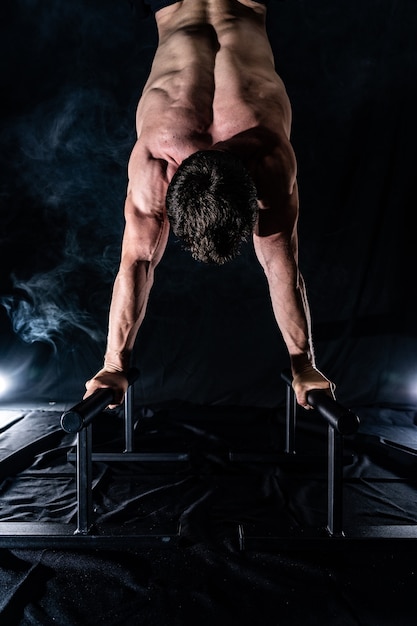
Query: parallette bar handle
[[338, 416], [83, 413]]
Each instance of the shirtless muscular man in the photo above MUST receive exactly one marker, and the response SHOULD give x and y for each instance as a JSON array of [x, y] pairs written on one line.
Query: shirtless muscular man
[[214, 162]]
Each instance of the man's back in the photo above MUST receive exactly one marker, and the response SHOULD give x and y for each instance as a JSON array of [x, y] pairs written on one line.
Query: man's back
[[212, 81], [213, 76]]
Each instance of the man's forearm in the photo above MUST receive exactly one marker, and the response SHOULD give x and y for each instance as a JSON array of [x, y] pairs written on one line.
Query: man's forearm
[[292, 314], [127, 310], [290, 306]]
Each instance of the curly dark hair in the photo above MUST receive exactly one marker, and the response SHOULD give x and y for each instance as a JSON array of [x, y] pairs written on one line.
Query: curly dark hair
[[212, 205]]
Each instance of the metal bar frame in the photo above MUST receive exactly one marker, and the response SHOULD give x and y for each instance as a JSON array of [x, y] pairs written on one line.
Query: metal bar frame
[[129, 453], [86, 533], [334, 536]]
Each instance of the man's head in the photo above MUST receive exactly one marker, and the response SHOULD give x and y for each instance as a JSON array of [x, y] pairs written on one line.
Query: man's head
[[211, 205]]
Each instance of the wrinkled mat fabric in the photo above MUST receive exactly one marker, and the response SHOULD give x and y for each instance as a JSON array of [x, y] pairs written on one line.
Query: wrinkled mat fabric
[[205, 578]]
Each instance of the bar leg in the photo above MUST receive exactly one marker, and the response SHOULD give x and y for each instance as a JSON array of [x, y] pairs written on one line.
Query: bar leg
[[290, 420], [84, 481], [335, 483], [129, 402]]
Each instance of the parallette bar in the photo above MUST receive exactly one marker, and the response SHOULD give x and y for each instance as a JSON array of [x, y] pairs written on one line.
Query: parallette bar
[[83, 413], [339, 417]]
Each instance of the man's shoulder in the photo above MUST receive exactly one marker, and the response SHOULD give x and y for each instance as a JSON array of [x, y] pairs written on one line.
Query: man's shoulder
[[148, 179]]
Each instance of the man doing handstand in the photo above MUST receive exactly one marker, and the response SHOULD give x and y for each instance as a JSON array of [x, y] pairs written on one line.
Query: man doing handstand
[[213, 161]]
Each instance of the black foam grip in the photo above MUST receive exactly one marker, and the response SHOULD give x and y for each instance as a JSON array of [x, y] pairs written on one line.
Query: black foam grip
[[338, 416], [83, 413]]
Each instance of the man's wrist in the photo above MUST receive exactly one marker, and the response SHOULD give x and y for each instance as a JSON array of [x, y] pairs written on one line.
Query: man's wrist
[[302, 362], [116, 361]]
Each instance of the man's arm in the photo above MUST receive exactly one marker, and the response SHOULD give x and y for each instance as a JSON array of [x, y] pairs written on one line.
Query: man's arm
[[276, 246], [144, 241]]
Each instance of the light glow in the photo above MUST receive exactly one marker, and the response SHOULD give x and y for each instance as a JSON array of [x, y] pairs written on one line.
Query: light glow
[[4, 385]]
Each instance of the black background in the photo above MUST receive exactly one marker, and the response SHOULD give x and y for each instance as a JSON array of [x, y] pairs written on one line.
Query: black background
[[71, 76], [72, 73]]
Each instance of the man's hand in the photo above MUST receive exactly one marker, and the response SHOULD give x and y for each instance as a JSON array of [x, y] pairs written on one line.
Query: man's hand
[[308, 378], [108, 379]]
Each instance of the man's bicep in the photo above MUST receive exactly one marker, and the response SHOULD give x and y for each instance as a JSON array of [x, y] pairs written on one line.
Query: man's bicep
[[145, 235], [276, 245]]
